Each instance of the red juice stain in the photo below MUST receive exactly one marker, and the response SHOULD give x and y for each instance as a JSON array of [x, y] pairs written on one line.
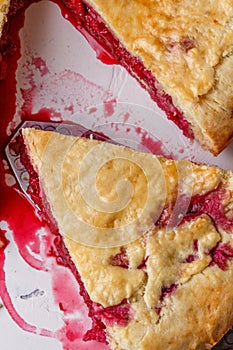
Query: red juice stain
[[109, 107], [44, 115], [69, 108], [69, 336], [138, 130], [76, 15], [14, 207], [154, 146], [126, 117], [101, 54], [92, 110], [68, 301], [181, 151], [40, 64], [25, 226], [22, 218], [75, 312], [11, 200]]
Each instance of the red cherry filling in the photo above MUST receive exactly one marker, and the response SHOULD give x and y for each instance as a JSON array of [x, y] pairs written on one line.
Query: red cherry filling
[[120, 259], [168, 290], [221, 254], [190, 258], [165, 291], [142, 266], [85, 17], [117, 314], [185, 45], [211, 204], [190, 208]]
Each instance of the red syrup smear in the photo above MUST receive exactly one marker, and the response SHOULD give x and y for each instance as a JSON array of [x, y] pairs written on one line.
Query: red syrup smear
[[23, 222], [22, 218], [90, 24], [75, 12], [67, 296], [109, 108], [156, 147], [40, 64]]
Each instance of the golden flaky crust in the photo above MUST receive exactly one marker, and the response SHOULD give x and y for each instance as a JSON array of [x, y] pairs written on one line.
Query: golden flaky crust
[[187, 45], [4, 7], [198, 310]]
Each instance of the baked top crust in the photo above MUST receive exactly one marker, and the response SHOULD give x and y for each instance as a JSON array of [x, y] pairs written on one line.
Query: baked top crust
[[187, 45], [168, 275], [4, 7]]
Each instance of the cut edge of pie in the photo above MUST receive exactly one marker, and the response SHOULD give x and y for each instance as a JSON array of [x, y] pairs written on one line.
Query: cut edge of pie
[[194, 89], [198, 96], [143, 291]]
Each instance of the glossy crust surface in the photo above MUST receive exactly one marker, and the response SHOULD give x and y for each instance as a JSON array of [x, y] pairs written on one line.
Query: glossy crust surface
[[179, 298], [187, 45]]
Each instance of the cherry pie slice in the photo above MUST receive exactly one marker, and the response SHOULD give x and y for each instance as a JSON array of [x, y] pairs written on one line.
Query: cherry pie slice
[[181, 52], [150, 240]]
